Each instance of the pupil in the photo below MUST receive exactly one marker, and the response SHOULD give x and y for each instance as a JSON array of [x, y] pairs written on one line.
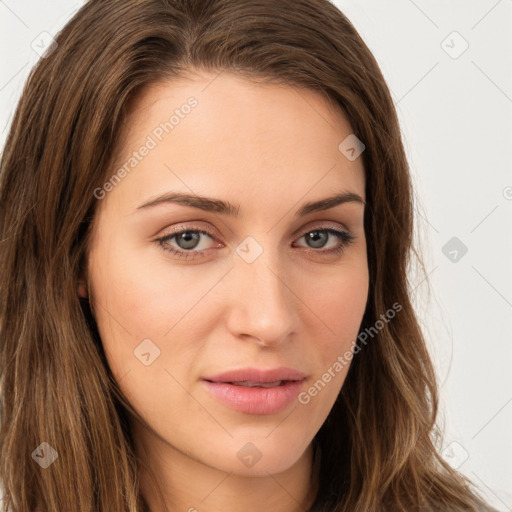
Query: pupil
[[314, 237], [190, 240]]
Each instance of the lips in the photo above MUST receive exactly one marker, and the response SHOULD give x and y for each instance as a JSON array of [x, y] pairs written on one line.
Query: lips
[[257, 376], [256, 391]]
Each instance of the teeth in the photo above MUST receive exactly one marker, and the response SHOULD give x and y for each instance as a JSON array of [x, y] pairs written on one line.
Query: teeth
[[251, 384]]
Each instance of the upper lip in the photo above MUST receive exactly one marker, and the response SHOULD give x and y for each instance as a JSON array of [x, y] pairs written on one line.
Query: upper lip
[[257, 375]]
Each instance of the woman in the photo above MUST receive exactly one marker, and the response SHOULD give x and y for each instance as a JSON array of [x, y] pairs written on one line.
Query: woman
[[206, 225]]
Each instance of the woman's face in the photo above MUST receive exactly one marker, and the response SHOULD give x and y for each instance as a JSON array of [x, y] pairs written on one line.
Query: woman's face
[[264, 289]]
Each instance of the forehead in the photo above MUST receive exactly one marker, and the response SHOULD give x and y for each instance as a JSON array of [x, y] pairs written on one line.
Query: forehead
[[222, 132]]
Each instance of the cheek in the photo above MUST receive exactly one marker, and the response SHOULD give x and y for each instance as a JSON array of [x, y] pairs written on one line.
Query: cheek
[[143, 292], [339, 310], [339, 304], [138, 298], [146, 320]]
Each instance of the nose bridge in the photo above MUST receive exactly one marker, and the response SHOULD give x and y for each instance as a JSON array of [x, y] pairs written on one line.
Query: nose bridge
[[263, 304]]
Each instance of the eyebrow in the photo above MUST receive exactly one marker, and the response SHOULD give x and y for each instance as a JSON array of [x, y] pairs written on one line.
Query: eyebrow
[[226, 208]]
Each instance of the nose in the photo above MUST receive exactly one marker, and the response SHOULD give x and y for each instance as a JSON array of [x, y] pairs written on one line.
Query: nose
[[263, 306]]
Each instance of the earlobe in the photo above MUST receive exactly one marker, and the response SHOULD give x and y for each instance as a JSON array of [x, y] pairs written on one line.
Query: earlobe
[[82, 290]]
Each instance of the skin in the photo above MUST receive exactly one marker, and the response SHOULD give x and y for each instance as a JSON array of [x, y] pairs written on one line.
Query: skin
[[270, 149]]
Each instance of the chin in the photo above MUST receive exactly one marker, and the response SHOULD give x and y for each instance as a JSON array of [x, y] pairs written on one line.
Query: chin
[[257, 457]]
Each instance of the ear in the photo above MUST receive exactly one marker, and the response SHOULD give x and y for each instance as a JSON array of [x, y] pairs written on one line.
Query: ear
[[82, 289]]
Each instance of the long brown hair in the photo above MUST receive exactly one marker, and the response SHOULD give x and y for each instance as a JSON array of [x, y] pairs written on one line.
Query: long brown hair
[[378, 445]]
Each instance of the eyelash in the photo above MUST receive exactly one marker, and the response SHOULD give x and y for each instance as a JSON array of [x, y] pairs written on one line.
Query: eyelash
[[345, 238]]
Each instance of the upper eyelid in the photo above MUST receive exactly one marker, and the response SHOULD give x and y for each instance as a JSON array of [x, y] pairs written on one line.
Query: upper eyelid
[[213, 232]]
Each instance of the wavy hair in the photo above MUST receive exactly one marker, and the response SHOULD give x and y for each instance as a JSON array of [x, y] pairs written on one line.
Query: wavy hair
[[378, 444]]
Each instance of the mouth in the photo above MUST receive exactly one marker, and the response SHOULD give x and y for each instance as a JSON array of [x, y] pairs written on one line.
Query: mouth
[[254, 391], [257, 376], [250, 384]]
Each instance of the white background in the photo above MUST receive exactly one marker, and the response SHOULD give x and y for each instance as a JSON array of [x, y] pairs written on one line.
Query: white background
[[455, 109]]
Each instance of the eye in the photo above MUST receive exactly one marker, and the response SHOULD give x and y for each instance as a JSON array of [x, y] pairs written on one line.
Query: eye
[[318, 237], [188, 241]]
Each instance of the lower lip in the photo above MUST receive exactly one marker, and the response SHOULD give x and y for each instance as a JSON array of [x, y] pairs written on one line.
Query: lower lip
[[255, 400]]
